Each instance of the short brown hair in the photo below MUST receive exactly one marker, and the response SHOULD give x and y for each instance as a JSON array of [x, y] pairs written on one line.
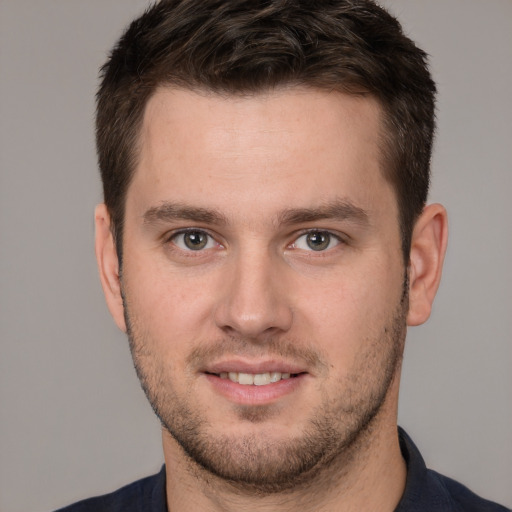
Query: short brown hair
[[248, 46]]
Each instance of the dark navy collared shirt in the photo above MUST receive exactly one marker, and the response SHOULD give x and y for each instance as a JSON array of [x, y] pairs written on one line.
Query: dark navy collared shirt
[[428, 491], [425, 491]]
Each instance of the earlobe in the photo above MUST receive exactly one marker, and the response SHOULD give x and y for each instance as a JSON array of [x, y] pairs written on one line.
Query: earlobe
[[428, 247], [108, 265]]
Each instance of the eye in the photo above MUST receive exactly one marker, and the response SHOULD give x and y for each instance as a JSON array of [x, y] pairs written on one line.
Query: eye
[[316, 241], [193, 240]]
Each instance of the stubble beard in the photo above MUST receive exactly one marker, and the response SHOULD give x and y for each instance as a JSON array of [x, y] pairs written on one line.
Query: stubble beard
[[334, 435]]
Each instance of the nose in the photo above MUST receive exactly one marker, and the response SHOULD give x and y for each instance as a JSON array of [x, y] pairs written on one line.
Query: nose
[[253, 302]]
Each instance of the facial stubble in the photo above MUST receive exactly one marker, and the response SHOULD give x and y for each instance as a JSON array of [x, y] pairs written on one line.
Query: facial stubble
[[253, 462]]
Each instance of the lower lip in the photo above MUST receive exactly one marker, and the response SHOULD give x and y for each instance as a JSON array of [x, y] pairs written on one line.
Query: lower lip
[[255, 395]]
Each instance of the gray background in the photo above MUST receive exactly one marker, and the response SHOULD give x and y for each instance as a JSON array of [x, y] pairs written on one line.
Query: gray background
[[73, 420]]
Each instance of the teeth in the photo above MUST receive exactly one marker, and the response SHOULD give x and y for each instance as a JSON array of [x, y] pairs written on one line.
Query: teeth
[[256, 379], [260, 379], [245, 378], [275, 376]]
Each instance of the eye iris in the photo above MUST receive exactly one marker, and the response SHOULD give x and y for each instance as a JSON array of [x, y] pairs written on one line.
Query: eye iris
[[318, 241], [195, 240]]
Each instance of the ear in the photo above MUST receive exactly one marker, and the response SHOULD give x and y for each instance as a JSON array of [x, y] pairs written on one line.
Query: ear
[[108, 265], [428, 247]]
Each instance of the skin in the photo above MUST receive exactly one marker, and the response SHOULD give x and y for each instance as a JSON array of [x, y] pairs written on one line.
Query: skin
[[253, 175]]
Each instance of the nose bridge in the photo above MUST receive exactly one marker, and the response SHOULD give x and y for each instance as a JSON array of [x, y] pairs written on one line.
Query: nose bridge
[[254, 301]]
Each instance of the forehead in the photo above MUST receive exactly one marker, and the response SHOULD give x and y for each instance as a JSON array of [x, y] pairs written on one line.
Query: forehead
[[292, 145], [292, 113]]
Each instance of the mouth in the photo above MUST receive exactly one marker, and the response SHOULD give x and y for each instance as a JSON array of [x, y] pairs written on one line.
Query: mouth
[[249, 382], [255, 379]]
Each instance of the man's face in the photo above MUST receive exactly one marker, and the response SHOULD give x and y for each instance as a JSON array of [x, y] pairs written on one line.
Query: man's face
[[263, 278]]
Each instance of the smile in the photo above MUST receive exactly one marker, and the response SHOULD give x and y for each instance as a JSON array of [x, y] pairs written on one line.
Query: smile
[[260, 386], [254, 379]]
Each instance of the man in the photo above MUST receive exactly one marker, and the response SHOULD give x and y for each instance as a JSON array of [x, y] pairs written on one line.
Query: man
[[264, 243]]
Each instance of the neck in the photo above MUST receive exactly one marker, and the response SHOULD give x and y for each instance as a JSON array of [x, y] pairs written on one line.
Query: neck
[[370, 477]]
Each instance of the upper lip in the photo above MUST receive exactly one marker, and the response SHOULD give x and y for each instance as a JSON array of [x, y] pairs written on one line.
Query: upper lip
[[255, 367]]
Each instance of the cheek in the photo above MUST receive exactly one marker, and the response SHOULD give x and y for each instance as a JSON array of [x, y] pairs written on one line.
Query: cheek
[[169, 308], [350, 309]]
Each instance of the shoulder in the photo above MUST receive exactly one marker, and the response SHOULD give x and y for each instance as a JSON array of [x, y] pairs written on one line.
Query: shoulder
[[429, 491], [147, 494], [461, 497]]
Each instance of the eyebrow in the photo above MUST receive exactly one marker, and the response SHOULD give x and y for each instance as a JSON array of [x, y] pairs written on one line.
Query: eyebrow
[[338, 210], [168, 212]]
